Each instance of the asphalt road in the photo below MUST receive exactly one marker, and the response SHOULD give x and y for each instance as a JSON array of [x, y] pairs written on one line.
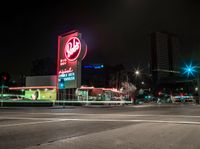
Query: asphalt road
[[130, 127]]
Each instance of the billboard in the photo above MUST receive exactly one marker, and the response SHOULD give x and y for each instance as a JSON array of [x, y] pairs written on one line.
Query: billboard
[[71, 50]]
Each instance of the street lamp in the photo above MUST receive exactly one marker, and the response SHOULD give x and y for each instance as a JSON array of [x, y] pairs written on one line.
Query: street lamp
[[196, 89], [137, 72], [191, 70]]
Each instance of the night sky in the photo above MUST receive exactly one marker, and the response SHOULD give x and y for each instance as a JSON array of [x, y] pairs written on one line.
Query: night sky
[[117, 31]]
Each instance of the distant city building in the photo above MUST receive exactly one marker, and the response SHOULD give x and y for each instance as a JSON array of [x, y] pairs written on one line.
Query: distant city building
[[165, 59]]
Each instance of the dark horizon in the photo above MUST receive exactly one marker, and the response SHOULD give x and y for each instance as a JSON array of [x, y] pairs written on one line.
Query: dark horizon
[[113, 30]]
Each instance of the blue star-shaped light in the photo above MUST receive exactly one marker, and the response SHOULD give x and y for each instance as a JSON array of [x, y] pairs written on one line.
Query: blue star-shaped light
[[189, 70]]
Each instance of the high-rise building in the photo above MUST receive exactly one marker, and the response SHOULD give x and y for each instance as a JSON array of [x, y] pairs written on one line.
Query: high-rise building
[[164, 56]]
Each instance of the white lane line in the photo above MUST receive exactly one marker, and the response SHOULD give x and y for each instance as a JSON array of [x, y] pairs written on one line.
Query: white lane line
[[147, 121], [114, 114], [29, 118], [131, 115], [28, 123], [101, 120]]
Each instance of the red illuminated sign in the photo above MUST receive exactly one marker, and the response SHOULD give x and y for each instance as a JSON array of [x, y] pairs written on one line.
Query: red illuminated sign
[[72, 49], [66, 71]]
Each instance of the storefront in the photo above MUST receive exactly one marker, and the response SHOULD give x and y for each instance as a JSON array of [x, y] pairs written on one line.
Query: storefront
[[37, 92], [98, 94], [38, 88]]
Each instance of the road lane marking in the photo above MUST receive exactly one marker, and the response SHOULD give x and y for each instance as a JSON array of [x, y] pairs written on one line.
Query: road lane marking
[[131, 115], [114, 114], [28, 123], [96, 120], [29, 118], [147, 121]]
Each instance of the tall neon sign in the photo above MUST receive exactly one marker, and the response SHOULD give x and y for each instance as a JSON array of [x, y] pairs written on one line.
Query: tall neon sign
[[71, 51]]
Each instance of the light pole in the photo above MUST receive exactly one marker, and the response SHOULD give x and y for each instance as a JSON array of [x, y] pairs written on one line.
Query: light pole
[[198, 82], [198, 86], [137, 74], [190, 70]]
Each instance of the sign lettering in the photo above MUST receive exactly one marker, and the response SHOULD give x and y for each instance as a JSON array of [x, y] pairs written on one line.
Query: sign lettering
[[72, 49]]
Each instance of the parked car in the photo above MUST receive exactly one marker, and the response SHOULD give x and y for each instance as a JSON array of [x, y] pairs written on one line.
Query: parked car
[[183, 98]]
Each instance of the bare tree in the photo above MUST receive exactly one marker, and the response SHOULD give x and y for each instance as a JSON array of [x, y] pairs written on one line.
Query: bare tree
[[128, 89]]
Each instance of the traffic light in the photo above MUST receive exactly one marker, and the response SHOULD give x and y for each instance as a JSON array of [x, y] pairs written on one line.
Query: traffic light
[[4, 78]]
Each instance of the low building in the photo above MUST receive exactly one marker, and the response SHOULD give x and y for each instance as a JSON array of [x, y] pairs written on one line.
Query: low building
[[39, 88]]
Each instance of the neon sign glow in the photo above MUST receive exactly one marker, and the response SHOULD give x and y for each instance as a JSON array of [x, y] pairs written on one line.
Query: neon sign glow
[[67, 76], [72, 49], [66, 71], [63, 62]]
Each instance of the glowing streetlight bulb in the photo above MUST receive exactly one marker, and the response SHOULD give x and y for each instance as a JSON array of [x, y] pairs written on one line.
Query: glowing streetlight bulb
[[196, 89], [137, 72], [190, 70]]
